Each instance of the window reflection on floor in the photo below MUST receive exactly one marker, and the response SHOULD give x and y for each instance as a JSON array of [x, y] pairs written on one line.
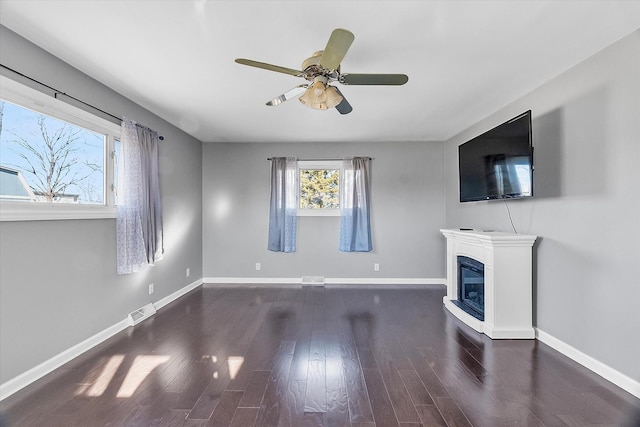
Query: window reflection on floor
[[235, 363]]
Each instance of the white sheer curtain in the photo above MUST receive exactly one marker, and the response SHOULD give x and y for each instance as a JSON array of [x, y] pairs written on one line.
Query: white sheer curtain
[[355, 217], [138, 212], [283, 211]]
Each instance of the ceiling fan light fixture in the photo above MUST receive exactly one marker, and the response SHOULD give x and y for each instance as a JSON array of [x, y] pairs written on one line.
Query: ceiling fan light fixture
[[321, 96], [333, 97], [315, 96]]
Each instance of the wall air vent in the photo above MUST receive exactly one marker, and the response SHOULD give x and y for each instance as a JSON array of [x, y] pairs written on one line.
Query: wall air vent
[[141, 314]]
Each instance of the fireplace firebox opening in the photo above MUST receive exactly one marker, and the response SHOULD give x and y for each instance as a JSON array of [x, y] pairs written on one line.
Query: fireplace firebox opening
[[471, 287]]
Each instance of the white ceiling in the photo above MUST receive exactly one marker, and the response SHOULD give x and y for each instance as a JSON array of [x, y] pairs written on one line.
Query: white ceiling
[[465, 59]]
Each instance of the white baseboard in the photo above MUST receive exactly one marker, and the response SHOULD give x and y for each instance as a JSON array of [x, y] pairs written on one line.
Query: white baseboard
[[17, 383], [240, 281], [330, 281], [376, 282], [177, 294], [621, 380]]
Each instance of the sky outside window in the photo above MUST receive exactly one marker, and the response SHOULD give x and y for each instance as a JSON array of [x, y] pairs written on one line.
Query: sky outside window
[[61, 162]]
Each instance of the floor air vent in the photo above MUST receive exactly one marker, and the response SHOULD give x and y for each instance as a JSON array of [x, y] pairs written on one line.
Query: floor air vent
[[313, 280], [141, 314]]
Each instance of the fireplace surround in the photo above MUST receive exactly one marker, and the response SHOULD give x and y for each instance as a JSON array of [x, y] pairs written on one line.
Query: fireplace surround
[[506, 261]]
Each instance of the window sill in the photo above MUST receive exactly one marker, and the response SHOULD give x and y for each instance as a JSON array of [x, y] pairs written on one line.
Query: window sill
[[318, 212], [52, 211]]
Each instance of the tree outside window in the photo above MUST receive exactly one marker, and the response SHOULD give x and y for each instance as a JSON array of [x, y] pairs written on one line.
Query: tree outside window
[[319, 188], [60, 162]]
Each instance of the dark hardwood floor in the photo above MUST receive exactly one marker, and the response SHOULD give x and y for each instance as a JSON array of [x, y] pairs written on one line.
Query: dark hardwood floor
[[317, 357]]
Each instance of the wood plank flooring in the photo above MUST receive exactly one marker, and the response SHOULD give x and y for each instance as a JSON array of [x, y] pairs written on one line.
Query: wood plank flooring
[[312, 356]]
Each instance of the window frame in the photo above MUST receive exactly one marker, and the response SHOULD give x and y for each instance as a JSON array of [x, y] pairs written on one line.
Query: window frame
[[319, 165], [30, 98]]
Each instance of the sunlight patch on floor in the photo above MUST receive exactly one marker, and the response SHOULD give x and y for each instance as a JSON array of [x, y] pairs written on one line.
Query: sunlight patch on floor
[[98, 387], [142, 366]]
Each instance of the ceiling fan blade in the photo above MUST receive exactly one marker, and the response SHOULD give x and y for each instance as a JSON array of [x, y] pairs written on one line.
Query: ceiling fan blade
[[269, 67], [296, 91], [337, 47], [374, 79], [343, 107]]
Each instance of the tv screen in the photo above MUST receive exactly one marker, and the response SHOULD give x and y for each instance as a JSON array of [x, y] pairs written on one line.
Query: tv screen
[[499, 163]]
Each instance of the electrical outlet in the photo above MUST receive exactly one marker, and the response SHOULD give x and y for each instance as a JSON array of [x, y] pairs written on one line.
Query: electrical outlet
[[376, 267], [188, 273], [258, 266], [150, 288]]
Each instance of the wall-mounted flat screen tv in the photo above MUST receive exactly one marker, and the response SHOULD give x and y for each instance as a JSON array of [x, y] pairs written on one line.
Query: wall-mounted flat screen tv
[[499, 163]]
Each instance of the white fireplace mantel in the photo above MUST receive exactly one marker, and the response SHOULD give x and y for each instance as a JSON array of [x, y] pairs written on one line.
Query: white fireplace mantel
[[508, 298]]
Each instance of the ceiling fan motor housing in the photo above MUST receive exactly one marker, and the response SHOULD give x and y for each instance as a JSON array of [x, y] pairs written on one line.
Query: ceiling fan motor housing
[[311, 68], [313, 60]]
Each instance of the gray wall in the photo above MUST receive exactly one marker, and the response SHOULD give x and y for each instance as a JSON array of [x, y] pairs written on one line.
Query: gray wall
[[407, 212], [586, 130], [58, 282]]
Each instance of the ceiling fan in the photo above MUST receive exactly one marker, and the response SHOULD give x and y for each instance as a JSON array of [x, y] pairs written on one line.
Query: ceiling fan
[[323, 68]]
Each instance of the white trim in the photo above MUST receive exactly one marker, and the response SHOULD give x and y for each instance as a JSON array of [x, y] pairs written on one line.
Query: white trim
[[177, 294], [318, 212], [40, 211], [27, 97], [509, 333], [245, 284], [385, 281], [367, 281], [616, 377], [320, 164], [233, 281], [17, 383]]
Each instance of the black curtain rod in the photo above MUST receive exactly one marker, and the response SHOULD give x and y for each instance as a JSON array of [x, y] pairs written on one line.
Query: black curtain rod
[[57, 92], [323, 160]]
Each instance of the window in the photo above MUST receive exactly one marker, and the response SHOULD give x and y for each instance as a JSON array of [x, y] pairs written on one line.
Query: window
[[56, 161], [319, 187]]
